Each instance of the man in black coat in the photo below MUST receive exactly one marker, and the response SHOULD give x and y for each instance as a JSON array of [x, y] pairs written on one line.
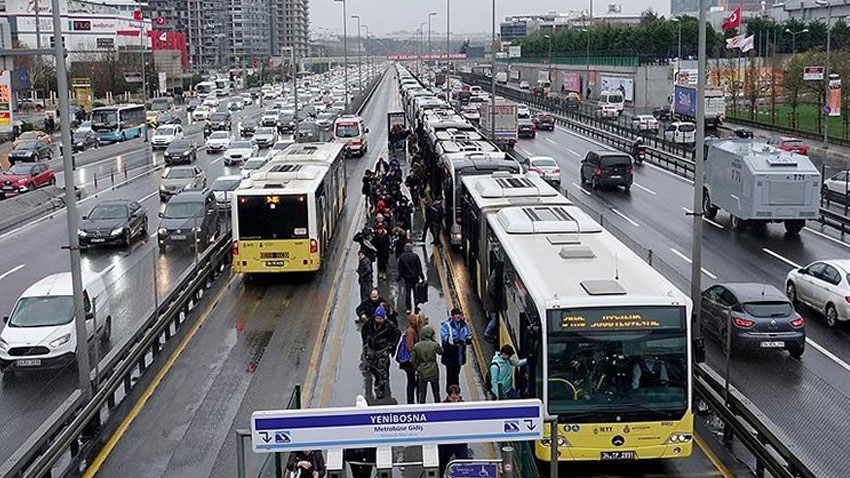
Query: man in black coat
[[409, 271]]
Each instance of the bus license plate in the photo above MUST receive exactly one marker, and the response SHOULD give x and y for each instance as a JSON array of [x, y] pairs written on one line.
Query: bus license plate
[[772, 345], [618, 455], [178, 237], [275, 263], [28, 362]]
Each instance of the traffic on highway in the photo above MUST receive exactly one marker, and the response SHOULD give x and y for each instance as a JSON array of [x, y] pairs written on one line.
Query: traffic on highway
[[282, 250]]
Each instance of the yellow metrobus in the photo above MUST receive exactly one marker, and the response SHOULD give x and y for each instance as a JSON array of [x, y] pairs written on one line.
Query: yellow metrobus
[[285, 215], [607, 338]]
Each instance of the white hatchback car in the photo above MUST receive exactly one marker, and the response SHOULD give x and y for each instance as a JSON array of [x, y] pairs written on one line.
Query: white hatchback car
[[218, 141], [837, 186], [644, 123], [823, 286], [165, 134], [239, 152]]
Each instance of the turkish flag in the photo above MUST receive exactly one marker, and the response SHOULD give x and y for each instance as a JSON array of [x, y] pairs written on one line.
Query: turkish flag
[[160, 21], [734, 20], [137, 15]]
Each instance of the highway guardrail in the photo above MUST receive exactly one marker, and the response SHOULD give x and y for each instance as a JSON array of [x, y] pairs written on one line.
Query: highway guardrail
[[73, 424]]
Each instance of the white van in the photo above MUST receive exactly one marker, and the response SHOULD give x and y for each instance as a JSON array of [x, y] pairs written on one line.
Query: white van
[[40, 331], [502, 77], [681, 132], [613, 97], [353, 133]]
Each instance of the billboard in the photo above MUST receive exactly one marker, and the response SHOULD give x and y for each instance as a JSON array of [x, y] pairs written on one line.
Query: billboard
[[6, 101], [572, 82], [514, 51], [833, 97], [625, 85], [813, 73], [434, 56]]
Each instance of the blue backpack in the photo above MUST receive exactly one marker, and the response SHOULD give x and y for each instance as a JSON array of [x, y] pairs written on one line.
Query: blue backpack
[[402, 355]]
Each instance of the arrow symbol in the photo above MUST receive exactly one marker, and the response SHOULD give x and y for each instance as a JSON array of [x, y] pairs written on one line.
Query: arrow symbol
[[530, 424], [266, 437]]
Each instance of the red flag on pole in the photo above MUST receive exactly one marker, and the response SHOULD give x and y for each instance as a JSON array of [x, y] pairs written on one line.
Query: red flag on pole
[[137, 15], [734, 20]]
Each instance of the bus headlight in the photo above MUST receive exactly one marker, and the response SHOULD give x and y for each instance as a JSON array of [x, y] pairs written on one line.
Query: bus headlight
[[561, 442], [678, 438]]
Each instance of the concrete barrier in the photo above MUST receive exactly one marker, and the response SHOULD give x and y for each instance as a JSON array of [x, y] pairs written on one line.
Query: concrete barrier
[[29, 206]]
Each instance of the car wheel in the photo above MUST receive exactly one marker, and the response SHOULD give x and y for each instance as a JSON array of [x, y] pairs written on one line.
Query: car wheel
[[581, 176], [124, 137], [627, 187], [791, 292], [709, 211], [52, 182], [162, 248], [796, 351], [9, 376], [831, 316], [144, 230], [738, 224], [594, 183]]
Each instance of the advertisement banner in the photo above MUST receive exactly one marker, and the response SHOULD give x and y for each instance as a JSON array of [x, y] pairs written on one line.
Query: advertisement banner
[[572, 82], [435, 56], [834, 97], [6, 101], [591, 81], [625, 85], [514, 51], [163, 86], [813, 73]]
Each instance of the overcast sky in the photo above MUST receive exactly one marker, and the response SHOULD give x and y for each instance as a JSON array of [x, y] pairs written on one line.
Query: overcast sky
[[467, 16]]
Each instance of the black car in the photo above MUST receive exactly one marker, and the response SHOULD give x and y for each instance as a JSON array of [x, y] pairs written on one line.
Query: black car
[[167, 118], [662, 113], [31, 151], [525, 128], [180, 151], [744, 133], [285, 122], [190, 218], [545, 121], [220, 120], [247, 127], [760, 315], [113, 222], [607, 168], [307, 132], [82, 140]]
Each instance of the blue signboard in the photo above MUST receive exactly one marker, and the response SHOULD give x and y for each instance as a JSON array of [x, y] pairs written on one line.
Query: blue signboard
[[473, 470], [355, 427]]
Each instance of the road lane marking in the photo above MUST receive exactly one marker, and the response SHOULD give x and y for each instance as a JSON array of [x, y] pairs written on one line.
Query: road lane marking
[[627, 218], [715, 224], [107, 269], [12, 271], [650, 191], [689, 261], [781, 258], [101, 457], [145, 198], [712, 457], [549, 140], [828, 354], [571, 151], [818, 233], [582, 189]]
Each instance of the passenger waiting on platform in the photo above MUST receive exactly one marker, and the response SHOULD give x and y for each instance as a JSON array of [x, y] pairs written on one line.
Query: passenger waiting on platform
[[306, 464], [457, 451], [424, 359], [455, 336]]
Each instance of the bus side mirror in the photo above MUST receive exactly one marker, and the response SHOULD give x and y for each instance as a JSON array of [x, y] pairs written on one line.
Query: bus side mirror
[[699, 350]]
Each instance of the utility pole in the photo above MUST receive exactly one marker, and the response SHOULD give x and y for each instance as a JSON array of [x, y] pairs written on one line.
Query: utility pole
[[144, 80], [359, 56], [345, 48], [493, 75], [429, 36], [696, 248], [82, 350], [828, 5], [448, 50]]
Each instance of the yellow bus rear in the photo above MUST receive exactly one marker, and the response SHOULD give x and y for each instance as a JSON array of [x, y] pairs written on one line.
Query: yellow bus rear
[[274, 233]]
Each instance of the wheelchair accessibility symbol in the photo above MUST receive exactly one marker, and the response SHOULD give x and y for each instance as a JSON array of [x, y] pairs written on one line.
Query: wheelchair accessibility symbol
[[511, 426], [282, 436]]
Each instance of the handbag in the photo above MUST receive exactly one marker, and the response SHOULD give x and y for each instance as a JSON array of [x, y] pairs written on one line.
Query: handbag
[[402, 355], [420, 292]]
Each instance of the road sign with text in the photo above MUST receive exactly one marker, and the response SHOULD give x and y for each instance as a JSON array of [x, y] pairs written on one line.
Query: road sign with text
[[354, 427]]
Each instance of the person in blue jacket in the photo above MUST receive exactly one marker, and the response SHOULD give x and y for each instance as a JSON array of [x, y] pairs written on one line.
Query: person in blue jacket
[[455, 336]]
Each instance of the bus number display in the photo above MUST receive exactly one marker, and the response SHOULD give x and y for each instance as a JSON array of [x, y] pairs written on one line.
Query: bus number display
[[616, 318]]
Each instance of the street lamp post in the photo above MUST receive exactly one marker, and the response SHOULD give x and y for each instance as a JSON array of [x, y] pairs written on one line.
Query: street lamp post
[[429, 35], [794, 38], [345, 48], [549, 61], [679, 55], [294, 67], [587, 71], [368, 48], [359, 56], [422, 38], [448, 52], [828, 5], [493, 74], [696, 239]]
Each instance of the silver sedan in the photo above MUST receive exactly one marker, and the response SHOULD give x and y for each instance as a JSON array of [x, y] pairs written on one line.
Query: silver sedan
[[823, 286]]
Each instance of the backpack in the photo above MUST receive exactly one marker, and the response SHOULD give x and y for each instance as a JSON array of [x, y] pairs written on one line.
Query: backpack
[[488, 380]]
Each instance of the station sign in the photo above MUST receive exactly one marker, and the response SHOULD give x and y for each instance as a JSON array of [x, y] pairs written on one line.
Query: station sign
[[399, 425], [813, 73]]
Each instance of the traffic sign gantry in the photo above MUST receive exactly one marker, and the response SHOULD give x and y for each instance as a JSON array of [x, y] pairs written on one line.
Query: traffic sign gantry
[[352, 427]]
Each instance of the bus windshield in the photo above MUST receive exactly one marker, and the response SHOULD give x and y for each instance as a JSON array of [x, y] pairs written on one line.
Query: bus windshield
[[204, 88], [104, 120], [272, 217], [617, 363]]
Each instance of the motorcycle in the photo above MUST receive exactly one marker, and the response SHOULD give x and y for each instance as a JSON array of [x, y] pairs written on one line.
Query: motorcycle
[[639, 151]]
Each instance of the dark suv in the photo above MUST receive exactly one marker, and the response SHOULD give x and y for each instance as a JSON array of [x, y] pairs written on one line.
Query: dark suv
[[191, 219], [607, 168]]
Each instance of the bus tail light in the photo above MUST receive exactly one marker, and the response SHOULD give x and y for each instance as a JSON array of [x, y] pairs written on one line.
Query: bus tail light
[[314, 246], [234, 248]]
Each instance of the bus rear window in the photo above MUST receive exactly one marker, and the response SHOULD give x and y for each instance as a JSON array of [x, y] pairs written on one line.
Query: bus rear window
[[351, 130], [272, 217]]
